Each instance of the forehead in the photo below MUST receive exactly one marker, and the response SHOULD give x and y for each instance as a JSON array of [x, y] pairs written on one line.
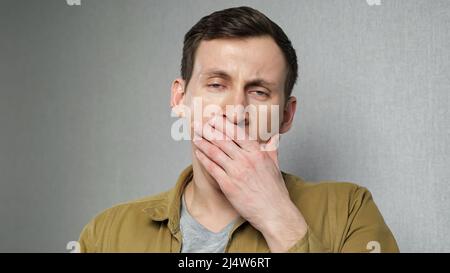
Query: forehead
[[250, 57]]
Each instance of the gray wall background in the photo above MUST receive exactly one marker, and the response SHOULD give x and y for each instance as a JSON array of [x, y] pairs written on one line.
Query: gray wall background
[[85, 118]]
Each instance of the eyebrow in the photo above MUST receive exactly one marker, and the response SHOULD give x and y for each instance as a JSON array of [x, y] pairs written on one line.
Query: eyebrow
[[226, 76]]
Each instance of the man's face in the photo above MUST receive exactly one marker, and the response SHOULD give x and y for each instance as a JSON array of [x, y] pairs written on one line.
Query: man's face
[[231, 72]]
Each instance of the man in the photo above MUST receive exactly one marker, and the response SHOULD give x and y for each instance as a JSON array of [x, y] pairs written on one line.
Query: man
[[234, 198]]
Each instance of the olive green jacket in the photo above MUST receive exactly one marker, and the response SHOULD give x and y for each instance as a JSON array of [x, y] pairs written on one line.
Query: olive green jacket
[[341, 217]]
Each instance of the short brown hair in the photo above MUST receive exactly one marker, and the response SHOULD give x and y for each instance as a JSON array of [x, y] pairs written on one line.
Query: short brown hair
[[238, 22]]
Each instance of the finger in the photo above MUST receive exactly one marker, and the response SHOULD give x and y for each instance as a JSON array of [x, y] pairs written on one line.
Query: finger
[[235, 132], [211, 167], [221, 140], [212, 151]]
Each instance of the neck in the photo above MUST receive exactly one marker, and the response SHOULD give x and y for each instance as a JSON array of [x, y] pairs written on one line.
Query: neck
[[205, 200]]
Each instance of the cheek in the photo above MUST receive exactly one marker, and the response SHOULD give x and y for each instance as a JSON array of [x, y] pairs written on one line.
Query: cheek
[[265, 123], [202, 108], [206, 105]]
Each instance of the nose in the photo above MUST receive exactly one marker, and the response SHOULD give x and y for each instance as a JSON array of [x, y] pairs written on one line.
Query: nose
[[235, 108]]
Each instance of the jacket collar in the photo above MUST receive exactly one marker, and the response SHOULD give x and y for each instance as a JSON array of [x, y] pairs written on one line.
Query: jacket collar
[[166, 206]]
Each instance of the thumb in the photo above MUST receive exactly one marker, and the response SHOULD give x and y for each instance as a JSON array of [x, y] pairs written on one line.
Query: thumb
[[271, 147]]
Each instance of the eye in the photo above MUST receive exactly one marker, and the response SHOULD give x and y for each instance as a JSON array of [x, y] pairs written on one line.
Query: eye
[[215, 85], [260, 93]]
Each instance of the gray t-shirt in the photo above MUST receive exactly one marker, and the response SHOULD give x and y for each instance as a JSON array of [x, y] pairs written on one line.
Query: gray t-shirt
[[197, 238]]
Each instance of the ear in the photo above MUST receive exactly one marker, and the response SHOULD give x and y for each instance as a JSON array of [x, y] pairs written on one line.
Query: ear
[[288, 114], [177, 93]]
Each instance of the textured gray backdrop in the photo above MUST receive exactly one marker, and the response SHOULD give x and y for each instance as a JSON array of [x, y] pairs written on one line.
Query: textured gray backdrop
[[85, 120]]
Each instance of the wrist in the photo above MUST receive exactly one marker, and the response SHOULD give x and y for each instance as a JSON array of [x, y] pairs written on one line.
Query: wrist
[[282, 234]]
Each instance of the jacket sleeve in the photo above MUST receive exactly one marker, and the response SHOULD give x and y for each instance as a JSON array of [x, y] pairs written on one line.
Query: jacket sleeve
[[96, 232], [86, 240], [365, 229], [360, 227], [308, 244]]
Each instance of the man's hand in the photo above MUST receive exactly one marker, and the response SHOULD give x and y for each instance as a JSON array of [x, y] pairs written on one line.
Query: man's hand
[[251, 180]]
